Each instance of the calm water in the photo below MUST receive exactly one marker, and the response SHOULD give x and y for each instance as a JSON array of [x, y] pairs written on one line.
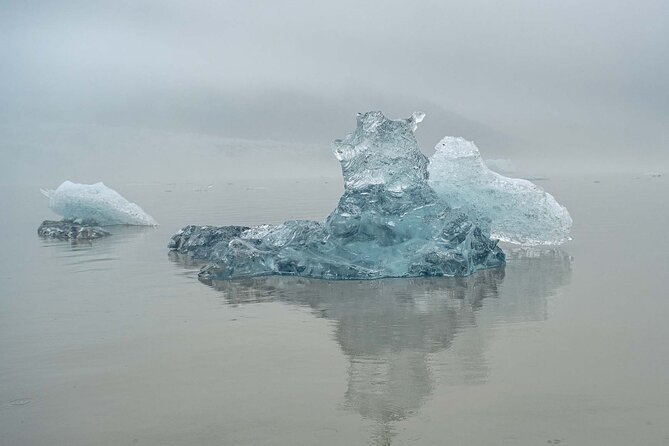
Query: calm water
[[116, 342]]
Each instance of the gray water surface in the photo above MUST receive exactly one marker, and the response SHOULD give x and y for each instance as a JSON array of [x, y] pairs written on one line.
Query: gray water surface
[[116, 342]]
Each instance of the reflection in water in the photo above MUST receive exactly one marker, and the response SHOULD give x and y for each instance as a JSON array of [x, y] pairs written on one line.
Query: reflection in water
[[119, 234], [85, 256], [390, 329]]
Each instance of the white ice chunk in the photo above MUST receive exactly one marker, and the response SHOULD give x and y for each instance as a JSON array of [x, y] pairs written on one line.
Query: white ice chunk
[[515, 210], [96, 202]]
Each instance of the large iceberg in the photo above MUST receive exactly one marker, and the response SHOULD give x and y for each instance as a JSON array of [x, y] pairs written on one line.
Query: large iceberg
[[389, 222], [512, 210], [95, 203]]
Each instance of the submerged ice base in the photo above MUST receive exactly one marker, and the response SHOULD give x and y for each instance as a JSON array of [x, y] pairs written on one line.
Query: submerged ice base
[[96, 202], [71, 230], [389, 222], [513, 210]]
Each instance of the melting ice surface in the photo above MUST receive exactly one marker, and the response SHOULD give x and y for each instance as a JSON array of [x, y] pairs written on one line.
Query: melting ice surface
[[389, 222], [97, 203], [512, 210]]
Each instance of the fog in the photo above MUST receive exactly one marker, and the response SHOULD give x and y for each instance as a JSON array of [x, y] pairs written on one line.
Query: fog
[[552, 85]]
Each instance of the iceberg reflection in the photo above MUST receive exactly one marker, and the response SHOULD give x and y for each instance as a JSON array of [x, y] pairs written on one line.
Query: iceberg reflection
[[393, 330]]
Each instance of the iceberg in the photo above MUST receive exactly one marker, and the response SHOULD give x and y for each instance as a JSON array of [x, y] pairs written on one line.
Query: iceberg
[[96, 203], [389, 222], [510, 209]]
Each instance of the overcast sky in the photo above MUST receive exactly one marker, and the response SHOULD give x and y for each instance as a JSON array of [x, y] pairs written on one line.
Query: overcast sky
[[549, 81]]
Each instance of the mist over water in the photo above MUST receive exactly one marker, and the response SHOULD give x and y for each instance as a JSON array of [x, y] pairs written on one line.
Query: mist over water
[[223, 113], [553, 86]]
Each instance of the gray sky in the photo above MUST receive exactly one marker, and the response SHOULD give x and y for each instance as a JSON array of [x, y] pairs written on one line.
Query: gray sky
[[555, 83]]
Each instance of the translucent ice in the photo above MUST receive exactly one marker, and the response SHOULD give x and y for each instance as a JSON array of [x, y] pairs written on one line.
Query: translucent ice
[[513, 210], [96, 202], [388, 223]]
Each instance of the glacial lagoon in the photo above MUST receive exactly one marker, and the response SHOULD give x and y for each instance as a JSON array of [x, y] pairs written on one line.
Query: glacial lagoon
[[114, 341]]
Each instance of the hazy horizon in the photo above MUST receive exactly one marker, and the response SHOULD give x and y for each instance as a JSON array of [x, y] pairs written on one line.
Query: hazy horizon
[[568, 86]]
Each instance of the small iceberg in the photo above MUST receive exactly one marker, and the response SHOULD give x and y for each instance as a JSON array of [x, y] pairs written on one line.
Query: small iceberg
[[510, 209], [389, 222], [95, 204]]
